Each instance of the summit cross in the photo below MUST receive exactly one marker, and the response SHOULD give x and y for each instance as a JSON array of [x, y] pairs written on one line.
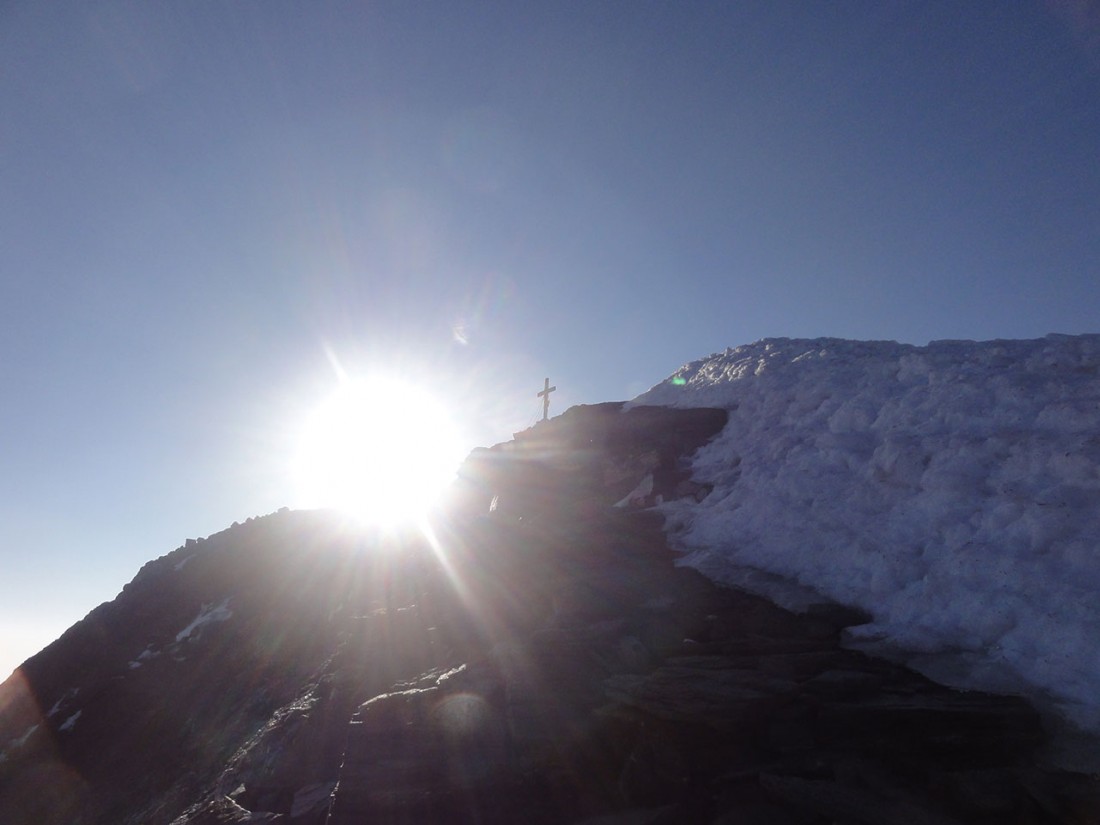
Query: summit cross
[[545, 396]]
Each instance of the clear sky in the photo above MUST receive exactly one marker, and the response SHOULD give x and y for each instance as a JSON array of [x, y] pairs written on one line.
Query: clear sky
[[205, 205]]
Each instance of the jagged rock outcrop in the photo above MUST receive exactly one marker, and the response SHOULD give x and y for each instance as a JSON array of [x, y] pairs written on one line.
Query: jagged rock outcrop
[[543, 661]]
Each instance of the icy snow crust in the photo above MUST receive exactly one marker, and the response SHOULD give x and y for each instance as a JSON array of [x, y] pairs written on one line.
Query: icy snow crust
[[951, 490]]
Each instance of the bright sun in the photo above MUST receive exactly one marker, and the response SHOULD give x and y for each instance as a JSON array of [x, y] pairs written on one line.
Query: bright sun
[[380, 449]]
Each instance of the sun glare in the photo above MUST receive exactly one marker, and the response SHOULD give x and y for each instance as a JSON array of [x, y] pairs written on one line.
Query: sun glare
[[379, 449]]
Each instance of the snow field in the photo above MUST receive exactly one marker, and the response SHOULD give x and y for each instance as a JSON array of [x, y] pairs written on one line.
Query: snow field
[[952, 490]]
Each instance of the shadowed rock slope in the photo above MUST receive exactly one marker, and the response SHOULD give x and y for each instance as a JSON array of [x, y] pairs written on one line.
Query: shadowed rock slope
[[535, 657]]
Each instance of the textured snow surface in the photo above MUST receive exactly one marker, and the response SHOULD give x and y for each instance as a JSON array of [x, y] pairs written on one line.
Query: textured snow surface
[[952, 490]]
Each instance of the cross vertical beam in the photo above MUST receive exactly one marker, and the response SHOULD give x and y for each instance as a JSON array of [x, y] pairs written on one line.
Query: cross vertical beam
[[545, 396]]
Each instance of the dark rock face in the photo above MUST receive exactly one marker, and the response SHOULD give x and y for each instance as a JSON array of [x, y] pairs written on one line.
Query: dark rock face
[[545, 662], [592, 455]]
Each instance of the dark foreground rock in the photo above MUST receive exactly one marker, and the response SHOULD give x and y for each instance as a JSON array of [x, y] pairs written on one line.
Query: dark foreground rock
[[536, 658]]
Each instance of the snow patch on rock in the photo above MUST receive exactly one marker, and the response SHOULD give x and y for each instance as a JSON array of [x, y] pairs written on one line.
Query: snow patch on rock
[[71, 721], [142, 657], [207, 615], [65, 697]]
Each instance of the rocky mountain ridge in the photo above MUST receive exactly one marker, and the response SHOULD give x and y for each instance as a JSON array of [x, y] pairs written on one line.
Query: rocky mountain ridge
[[536, 656]]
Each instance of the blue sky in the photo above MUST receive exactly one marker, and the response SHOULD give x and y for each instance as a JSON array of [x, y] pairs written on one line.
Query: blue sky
[[205, 203]]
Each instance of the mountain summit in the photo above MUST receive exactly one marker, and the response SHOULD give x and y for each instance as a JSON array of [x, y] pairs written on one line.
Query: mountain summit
[[539, 653]]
